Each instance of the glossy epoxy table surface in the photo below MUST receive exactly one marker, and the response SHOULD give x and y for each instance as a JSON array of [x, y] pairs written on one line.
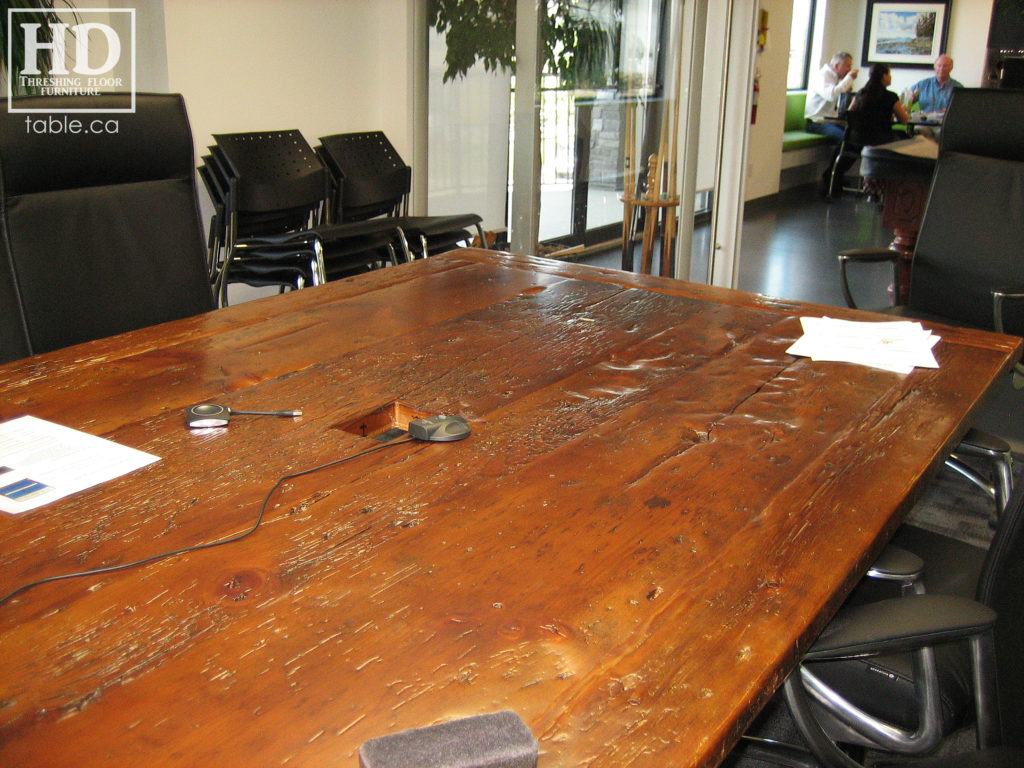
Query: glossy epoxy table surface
[[657, 509]]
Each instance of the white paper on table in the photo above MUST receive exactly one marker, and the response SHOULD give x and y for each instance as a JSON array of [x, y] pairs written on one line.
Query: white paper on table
[[41, 462], [898, 346], [918, 146]]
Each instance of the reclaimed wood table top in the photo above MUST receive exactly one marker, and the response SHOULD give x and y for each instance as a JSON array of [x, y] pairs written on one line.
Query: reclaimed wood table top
[[657, 510]]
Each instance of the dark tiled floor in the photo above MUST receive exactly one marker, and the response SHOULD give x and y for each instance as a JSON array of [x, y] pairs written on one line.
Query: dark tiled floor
[[789, 247]]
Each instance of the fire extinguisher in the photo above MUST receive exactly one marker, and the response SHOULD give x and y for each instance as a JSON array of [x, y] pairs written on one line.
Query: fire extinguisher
[[753, 101]]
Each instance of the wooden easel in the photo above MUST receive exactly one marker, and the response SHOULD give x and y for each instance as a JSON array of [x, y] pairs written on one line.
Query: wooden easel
[[657, 206], [659, 199]]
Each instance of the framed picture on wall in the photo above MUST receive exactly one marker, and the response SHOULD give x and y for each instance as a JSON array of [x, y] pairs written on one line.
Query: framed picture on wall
[[905, 34]]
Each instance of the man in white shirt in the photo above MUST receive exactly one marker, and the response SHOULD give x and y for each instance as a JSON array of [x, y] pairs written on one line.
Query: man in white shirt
[[834, 78]]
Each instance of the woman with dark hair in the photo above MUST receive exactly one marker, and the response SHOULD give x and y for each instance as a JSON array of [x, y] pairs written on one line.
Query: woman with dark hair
[[873, 109]]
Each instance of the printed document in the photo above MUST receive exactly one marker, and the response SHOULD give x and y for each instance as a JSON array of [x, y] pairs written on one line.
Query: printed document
[[41, 462]]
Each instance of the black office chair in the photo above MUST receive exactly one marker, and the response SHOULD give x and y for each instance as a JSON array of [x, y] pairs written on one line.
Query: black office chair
[[847, 153], [270, 249], [370, 180], [101, 231], [859, 133], [900, 674], [967, 259]]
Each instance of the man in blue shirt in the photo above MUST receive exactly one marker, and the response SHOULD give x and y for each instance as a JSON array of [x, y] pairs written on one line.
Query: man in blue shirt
[[933, 93]]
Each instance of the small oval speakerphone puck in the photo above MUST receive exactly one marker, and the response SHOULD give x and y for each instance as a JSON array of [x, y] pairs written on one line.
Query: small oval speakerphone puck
[[439, 428]]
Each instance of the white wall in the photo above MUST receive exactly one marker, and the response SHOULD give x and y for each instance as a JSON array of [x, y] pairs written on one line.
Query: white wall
[[843, 29], [151, 64], [764, 161], [322, 66]]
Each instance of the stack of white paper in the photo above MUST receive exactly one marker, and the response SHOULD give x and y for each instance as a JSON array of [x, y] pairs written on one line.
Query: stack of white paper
[[898, 346]]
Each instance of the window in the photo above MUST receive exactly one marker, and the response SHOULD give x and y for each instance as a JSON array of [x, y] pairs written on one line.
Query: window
[[800, 36]]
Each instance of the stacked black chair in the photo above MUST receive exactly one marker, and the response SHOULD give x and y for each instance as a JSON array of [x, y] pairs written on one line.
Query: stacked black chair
[[370, 180], [269, 191], [217, 189], [101, 231], [263, 211], [967, 269]]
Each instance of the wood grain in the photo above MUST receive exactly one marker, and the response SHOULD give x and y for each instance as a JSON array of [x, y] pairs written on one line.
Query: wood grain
[[657, 510]]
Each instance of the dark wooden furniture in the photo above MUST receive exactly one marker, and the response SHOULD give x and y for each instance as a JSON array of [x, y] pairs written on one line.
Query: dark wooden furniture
[[903, 180], [657, 511]]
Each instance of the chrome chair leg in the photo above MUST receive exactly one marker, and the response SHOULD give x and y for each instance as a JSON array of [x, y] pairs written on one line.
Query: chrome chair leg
[[996, 452], [404, 243], [829, 193]]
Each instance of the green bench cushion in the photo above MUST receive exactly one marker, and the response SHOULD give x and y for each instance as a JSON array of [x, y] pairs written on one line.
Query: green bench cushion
[[795, 101], [795, 135], [799, 139]]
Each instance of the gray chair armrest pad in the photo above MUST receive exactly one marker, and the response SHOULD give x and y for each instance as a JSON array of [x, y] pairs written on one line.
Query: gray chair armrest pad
[[983, 441], [896, 563], [901, 624], [869, 254]]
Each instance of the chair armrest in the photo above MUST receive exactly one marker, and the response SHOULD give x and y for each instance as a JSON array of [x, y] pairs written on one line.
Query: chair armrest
[[898, 564], [867, 256], [999, 296], [901, 624]]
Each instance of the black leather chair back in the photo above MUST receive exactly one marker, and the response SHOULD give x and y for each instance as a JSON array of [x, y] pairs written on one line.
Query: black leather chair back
[[14, 342], [999, 587], [986, 122], [972, 233], [101, 230]]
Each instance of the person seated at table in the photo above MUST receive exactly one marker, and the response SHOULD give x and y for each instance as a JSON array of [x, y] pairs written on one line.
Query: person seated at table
[[874, 109], [933, 93], [821, 108]]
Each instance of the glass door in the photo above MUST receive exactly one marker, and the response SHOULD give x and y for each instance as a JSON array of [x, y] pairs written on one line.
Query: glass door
[[543, 120], [596, 85]]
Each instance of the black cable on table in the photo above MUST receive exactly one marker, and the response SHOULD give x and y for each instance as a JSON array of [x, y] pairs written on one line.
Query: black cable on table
[[205, 545]]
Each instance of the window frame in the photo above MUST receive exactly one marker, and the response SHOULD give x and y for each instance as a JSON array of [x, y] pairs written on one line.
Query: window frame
[[808, 47]]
